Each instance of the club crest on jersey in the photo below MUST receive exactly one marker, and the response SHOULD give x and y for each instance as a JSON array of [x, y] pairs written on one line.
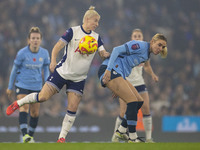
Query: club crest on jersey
[[135, 46]]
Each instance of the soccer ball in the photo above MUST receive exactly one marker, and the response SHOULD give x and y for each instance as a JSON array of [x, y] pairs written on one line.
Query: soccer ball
[[88, 45]]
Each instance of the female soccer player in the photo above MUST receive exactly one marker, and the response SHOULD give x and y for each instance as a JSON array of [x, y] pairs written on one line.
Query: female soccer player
[[137, 80], [27, 75], [71, 71], [113, 73]]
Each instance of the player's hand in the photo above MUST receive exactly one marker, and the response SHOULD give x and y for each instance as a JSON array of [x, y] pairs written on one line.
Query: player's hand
[[9, 93], [106, 54], [106, 77], [155, 78], [52, 66]]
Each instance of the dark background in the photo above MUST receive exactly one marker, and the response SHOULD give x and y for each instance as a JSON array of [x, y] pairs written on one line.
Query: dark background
[[177, 92]]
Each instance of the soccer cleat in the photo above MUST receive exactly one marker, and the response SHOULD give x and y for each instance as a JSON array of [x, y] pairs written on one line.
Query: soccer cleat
[[14, 106], [31, 140], [137, 140], [118, 136], [26, 138], [61, 140], [149, 141], [115, 139]]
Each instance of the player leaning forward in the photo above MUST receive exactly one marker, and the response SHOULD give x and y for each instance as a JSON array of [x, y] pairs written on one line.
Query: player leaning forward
[[114, 70], [71, 71]]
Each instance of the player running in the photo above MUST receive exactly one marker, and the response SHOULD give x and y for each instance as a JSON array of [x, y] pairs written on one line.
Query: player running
[[71, 71]]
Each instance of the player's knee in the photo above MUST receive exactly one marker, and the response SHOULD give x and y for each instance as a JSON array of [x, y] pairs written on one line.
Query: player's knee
[[42, 98], [35, 114], [72, 107]]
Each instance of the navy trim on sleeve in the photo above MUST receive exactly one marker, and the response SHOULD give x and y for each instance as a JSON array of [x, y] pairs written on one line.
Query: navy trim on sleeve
[[127, 50]]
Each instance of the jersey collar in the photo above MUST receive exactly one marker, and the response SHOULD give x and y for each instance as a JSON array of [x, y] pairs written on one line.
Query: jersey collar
[[84, 30]]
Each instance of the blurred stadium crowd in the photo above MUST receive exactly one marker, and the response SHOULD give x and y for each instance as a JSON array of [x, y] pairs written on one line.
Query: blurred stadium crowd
[[177, 92]]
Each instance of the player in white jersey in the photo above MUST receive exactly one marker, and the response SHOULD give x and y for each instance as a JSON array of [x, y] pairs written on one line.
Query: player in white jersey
[[70, 71], [137, 80]]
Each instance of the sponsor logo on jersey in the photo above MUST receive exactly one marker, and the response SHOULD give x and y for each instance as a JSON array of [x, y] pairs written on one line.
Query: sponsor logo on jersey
[[78, 50], [135, 46]]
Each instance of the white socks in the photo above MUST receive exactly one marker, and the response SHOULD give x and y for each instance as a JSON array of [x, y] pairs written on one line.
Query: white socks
[[133, 136], [122, 129], [68, 121], [31, 98], [147, 122], [117, 123]]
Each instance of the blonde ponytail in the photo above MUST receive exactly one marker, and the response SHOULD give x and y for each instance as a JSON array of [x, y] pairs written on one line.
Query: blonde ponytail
[[90, 13], [164, 52]]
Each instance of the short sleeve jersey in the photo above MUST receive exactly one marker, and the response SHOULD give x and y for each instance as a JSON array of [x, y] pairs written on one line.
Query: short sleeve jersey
[[74, 65], [136, 52], [29, 74]]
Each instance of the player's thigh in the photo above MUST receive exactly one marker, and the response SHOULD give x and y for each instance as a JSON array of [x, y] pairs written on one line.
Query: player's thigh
[[34, 109], [145, 107], [139, 98], [73, 101], [24, 108], [47, 92], [123, 107], [120, 87]]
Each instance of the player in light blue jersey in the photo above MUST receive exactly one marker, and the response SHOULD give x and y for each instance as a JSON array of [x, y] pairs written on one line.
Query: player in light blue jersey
[[71, 71], [29, 65], [137, 80], [114, 70]]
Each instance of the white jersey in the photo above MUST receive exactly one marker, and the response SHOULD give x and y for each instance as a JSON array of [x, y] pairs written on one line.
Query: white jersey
[[136, 78], [75, 66]]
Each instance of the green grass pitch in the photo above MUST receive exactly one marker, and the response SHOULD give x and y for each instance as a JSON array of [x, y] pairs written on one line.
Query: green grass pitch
[[100, 146]]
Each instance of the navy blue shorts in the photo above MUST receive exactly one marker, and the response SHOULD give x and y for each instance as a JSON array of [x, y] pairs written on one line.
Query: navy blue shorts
[[141, 88], [19, 90], [101, 72], [58, 82]]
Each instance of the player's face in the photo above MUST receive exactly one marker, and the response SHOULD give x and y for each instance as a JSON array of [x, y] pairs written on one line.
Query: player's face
[[93, 22], [157, 46], [34, 41], [137, 36]]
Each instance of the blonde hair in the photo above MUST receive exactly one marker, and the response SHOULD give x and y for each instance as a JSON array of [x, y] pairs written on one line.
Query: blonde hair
[[137, 30], [159, 36], [34, 30], [90, 13], [164, 53]]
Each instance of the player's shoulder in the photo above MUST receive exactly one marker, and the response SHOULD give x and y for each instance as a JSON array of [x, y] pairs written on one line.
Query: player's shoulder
[[44, 51], [141, 44], [74, 28], [23, 50], [96, 35]]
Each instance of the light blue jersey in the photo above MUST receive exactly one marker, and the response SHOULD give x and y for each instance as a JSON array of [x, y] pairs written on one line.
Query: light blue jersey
[[125, 57], [27, 69]]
